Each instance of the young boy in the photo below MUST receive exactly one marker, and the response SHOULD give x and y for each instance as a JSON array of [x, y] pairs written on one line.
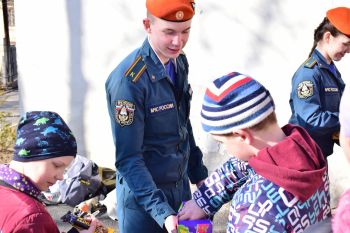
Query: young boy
[[277, 180], [45, 146]]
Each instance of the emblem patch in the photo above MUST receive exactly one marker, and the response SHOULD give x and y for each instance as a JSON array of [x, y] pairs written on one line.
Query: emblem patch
[[305, 89], [124, 112], [179, 15]]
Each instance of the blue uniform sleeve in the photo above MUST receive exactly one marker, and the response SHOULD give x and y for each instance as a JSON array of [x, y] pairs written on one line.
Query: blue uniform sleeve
[[221, 185], [128, 136], [196, 169], [308, 106]]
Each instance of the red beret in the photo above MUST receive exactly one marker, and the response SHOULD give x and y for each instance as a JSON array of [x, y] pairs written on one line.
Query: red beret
[[171, 10], [340, 18]]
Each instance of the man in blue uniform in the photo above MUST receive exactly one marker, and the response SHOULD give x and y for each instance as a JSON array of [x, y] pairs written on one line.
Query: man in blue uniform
[[148, 97], [317, 85]]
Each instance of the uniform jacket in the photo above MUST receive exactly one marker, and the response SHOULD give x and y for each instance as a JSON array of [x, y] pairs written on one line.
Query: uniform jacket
[[155, 147], [315, 98], [285, 188], [21, 212]]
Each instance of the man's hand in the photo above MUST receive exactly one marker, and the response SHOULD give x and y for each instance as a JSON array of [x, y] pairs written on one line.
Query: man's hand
[[171, 223], [191, 211]]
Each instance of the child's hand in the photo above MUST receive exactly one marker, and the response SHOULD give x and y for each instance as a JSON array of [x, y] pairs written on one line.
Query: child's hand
[[94, 223], [171, 223], [191, 211]]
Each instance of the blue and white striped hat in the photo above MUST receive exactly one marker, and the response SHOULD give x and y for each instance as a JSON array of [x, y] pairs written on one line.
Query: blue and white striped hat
[[235, 101]]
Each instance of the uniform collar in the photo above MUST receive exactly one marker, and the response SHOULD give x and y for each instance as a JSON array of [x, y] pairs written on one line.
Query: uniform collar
[[155, 67], [322, 63], [321, 60]]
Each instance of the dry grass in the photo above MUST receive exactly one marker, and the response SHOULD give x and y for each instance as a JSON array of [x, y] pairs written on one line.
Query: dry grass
[[5, 156], [7, 132]]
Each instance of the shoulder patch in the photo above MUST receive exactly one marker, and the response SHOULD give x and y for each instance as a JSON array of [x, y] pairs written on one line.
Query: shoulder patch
[[310, 62], [136, 69], [305, 89], [124, 112]]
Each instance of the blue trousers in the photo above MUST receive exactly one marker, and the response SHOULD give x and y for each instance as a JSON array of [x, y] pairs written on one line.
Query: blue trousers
[[133, 218]]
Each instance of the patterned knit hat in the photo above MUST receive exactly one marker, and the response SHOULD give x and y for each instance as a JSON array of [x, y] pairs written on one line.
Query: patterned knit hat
[[235, 101], [43, 135]]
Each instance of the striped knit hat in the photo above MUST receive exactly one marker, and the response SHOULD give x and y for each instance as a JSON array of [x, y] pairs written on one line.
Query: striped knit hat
[[235, 101]]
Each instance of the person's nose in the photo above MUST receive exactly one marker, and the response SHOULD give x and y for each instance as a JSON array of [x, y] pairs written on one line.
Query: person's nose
[[59, 176], [177, 39]]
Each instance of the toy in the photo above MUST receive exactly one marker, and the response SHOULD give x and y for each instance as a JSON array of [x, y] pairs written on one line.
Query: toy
[[80, 220], [194, 226]]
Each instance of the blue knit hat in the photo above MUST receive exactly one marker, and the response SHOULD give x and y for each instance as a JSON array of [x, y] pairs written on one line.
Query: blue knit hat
[[43, 135], [235, 101]]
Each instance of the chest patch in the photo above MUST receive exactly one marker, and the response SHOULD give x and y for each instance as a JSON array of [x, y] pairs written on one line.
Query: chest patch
[[331, 89], [161, 108], [124, 112], [305, 89]]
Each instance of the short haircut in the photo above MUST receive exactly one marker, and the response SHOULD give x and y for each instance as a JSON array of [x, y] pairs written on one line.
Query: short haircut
[[269, 120]]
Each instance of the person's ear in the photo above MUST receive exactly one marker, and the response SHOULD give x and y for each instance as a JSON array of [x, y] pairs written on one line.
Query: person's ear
[[326, 36], [147, 25], [245, 136]]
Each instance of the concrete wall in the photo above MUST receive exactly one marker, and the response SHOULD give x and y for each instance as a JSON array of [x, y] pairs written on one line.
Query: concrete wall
[[66, 49]]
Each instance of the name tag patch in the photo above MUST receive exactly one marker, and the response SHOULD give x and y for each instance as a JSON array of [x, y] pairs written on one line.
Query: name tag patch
[[331, 89], [161, 108]]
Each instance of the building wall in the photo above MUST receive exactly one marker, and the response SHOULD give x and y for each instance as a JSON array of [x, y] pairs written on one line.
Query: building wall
[[66, 49]]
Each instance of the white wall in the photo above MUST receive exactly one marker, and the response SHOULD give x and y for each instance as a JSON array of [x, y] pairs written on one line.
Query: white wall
[[66, 49]]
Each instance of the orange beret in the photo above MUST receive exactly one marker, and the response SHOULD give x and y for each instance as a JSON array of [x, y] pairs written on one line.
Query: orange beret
[[171, 10], [340, 18]]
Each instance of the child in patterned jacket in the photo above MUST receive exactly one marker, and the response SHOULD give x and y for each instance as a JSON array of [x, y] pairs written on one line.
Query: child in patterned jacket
[[277, 179]]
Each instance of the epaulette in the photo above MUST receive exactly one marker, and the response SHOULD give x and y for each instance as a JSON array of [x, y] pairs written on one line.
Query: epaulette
[[310, 62], [136, 69]]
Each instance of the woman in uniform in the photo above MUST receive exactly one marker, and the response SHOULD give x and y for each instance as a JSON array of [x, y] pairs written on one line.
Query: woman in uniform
[[317, 85]]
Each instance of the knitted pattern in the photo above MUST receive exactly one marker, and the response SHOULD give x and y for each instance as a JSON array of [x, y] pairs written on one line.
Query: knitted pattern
[[235, 101]]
